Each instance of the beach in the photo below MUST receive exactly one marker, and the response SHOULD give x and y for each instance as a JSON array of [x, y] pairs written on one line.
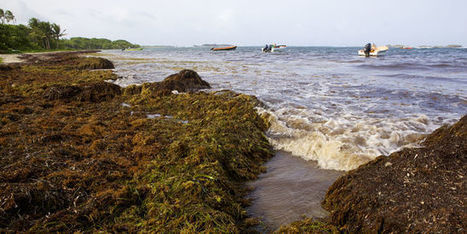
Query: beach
[[127, 142]]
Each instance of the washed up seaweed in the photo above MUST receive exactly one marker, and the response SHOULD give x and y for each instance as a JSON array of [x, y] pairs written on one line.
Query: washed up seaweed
[[419, 190], [73, 158]]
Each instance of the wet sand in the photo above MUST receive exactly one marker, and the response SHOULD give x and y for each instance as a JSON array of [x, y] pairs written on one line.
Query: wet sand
[[291, 188]]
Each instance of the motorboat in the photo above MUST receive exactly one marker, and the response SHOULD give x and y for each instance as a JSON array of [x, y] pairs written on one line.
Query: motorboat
[[274, 48], [224, 48], [375, 51]]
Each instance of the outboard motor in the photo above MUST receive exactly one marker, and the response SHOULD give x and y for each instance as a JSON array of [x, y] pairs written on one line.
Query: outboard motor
[[367, 50]]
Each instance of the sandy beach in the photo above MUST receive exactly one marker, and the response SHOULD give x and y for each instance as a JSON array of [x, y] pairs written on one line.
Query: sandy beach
[[10, 58]]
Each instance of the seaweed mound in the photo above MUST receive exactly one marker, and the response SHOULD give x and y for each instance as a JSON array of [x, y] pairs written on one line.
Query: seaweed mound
[[413, 190], [184, 81], [91, 63], [95, 92], [4, 67]]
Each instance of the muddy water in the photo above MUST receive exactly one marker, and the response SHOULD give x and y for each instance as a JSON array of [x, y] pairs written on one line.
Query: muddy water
[[291, 187]]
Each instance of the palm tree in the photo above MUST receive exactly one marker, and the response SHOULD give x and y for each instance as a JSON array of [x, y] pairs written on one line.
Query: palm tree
[[57, 33], [9, 16], [40, 32], [2, 16]]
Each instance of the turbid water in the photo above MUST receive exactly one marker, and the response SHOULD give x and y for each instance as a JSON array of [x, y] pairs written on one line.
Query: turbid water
[[291, 188], [326, 105]]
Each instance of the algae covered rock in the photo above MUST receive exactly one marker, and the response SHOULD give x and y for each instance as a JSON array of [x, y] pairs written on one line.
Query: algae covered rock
[[413, 190], [95, 63], [184, 81]]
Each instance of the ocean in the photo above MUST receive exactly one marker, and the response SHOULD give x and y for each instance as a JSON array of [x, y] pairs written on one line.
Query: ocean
[[326, 103], [330, 110]]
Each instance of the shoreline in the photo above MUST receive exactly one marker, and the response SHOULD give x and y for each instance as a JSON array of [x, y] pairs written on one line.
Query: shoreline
[[8, 59], [140, 154]]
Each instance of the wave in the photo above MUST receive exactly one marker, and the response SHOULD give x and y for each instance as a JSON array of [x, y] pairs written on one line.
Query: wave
[[343, 144]]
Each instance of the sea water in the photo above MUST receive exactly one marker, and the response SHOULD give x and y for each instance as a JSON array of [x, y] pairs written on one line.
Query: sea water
[[326, 104], [330, 110]]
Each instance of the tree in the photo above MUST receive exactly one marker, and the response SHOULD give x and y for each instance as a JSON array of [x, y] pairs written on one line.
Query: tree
[[57, 33], [44, 33], [9, 16], [2, 16]]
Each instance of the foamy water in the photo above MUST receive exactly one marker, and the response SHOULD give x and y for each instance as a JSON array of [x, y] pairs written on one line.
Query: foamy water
[[326, 104]]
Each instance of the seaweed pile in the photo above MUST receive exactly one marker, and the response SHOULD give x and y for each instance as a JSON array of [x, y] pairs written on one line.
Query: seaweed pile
[[414, 190], [82, 154], [420, 190]]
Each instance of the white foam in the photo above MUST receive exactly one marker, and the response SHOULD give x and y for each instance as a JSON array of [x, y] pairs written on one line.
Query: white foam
[[341, 143]]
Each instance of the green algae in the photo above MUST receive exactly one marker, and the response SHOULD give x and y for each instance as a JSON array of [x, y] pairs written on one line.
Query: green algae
[[78, 162], [308, 225]]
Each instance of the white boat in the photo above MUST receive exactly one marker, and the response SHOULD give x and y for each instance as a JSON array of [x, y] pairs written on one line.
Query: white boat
[[278, 48], [380, 50], [274, 48]]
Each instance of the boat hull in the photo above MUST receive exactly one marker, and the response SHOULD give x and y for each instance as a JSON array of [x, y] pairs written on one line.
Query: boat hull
[[373, 53], [224, 48]]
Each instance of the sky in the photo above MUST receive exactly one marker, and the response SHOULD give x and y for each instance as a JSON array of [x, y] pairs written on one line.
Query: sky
[[255, 22]]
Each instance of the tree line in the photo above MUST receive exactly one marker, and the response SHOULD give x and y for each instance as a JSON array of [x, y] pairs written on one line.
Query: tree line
[[43, 35]]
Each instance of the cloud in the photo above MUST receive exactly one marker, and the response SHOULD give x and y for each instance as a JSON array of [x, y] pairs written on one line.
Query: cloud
[[299, 22]]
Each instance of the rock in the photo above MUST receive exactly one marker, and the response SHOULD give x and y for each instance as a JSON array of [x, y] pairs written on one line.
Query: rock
[[414, 190], [91, 63], [184, 81]]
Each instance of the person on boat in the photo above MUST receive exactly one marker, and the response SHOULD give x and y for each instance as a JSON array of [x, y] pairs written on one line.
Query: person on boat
[[367, 50], [265, 49]]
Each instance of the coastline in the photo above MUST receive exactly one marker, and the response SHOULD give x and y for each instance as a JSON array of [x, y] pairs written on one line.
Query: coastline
[[98, 157]]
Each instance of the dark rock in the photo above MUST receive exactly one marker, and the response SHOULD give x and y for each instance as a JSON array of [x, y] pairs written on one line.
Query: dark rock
[[184, 81], [91, 63], [418, 190]]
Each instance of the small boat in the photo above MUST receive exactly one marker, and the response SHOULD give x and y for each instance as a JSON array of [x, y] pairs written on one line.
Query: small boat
[[380, 50], [133, 49], [274, 48], [278, 48], [224, 48]]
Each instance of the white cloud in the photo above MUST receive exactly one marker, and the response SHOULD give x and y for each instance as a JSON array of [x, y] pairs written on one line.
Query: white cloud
[[305, 22]]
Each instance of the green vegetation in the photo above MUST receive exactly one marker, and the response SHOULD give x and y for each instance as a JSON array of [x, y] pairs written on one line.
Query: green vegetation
[[81, 155], [6, 16], [96, 43], [41, 35], [308, 225]]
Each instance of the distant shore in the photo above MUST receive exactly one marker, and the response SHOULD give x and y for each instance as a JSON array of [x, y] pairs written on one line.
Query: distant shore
[[20, 58]]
